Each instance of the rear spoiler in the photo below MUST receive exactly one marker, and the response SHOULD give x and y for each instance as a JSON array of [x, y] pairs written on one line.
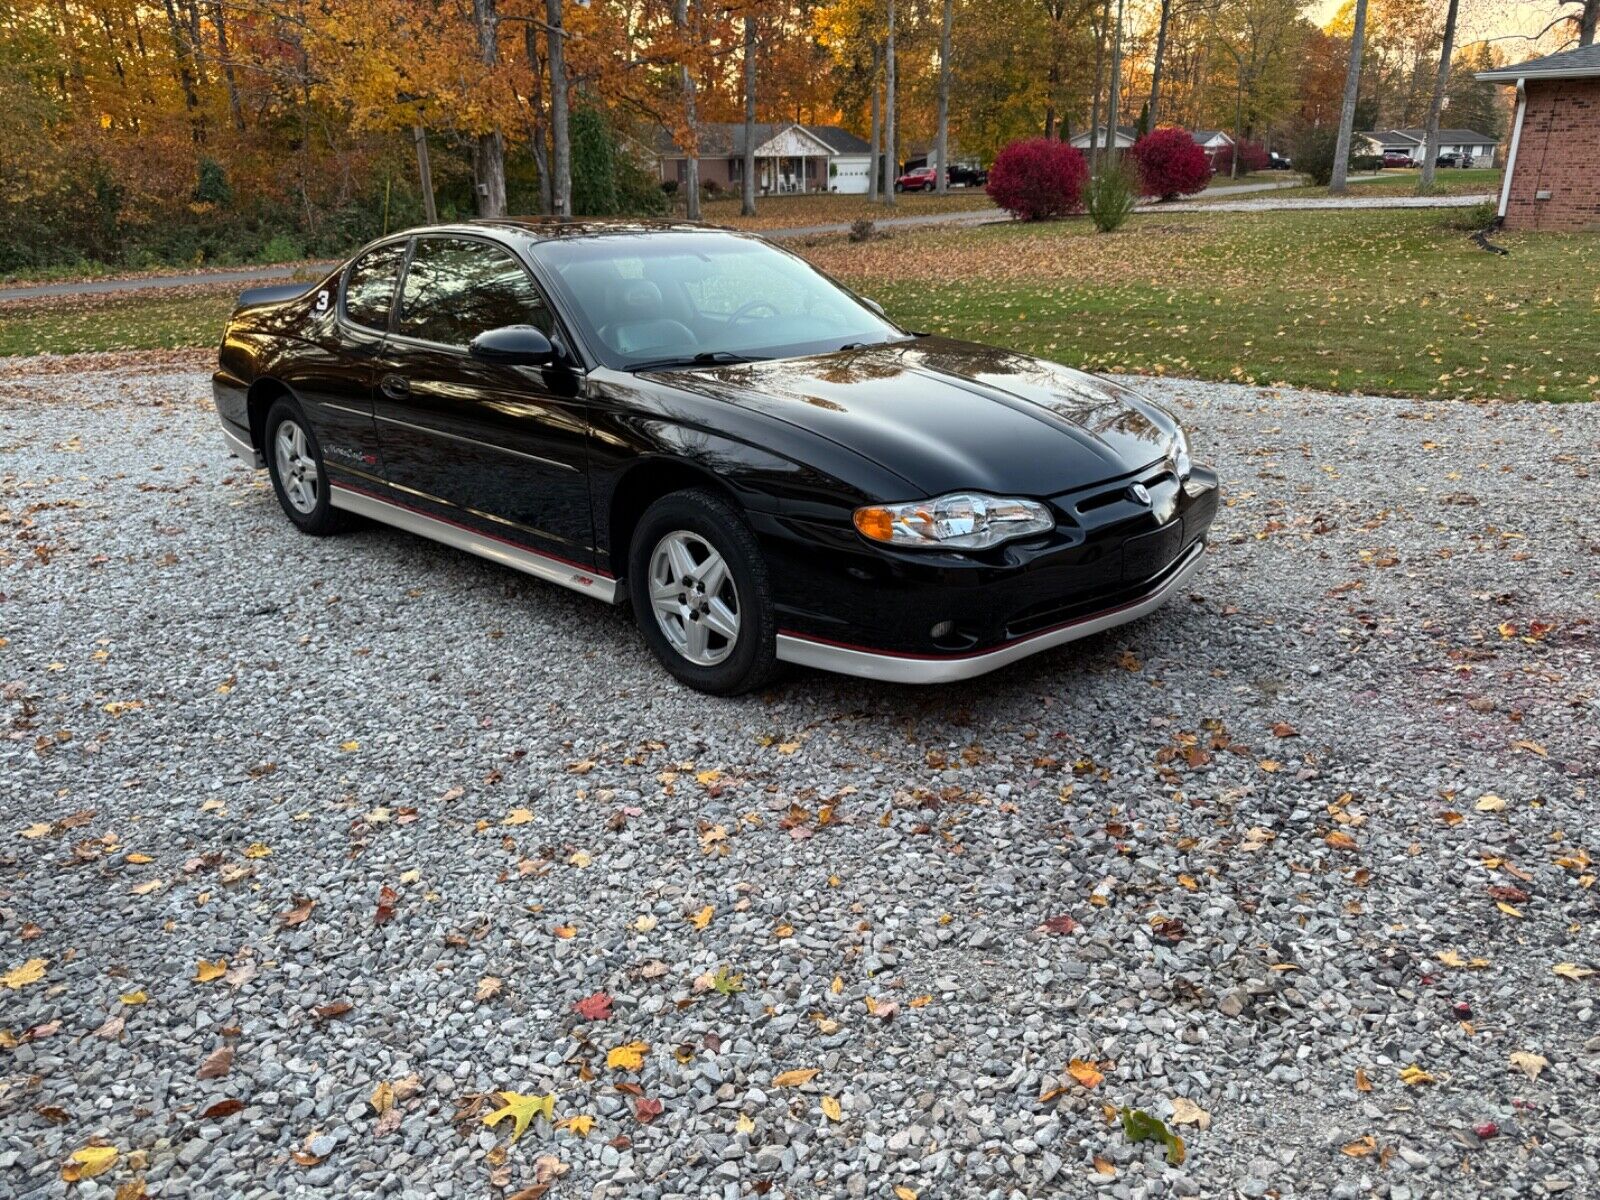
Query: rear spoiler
[[252, 297]]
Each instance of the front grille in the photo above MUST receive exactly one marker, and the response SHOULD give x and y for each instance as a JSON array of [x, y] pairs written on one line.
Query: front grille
[[1149, 553], [1059, 611]]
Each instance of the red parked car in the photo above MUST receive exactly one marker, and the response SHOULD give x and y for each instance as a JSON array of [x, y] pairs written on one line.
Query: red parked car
[[923, 179], [1395, 158]]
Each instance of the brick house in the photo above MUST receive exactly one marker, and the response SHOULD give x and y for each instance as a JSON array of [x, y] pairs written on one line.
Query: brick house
[[1552, 176]]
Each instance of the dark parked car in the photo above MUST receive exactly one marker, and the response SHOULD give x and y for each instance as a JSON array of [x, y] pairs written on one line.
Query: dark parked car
[[1450, 160], [700, 423], [1279, 162]]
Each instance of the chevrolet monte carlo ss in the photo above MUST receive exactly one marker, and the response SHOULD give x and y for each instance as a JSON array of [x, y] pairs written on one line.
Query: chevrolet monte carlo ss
[[693, 420]]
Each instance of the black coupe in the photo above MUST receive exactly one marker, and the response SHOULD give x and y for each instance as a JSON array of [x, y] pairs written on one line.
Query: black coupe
[[765, 465]]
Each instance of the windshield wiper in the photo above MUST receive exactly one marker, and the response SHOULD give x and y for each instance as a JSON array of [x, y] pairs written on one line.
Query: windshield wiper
[[704, 358]]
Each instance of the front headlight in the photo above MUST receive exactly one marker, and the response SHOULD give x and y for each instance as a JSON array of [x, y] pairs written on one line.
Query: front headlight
[[1178, 454], [962, 521]]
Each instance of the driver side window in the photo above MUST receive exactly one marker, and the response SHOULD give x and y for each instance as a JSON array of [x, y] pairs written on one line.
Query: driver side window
[[456, 289]]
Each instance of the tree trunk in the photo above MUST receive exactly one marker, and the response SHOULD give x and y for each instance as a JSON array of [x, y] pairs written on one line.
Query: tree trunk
[[560, 138], [942, 179], [489, 150], [1347, 113], [1155, 65], [691, 162], [219, 22], [874, 159], [536, 122], [1099, 78], [419, 135], [1587, 20], [892, 169], [1114, 100], [747, 194], [1441, 81]]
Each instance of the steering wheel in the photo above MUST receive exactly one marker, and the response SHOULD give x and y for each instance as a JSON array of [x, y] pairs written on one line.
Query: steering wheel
[[748, 308]]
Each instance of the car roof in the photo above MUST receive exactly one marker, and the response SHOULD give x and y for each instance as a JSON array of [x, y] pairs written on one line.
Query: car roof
[[542, 229]]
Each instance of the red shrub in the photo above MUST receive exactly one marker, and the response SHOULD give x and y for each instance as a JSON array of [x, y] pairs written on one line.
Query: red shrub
[[1170, 164], [1037, 178], [1252, 157]]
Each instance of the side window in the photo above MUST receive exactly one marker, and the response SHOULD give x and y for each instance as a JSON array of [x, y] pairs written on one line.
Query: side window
[[369, 287], [456, 289]]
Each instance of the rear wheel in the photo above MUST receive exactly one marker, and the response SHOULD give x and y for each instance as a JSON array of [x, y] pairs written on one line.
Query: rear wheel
[[294, 460], [700, 593]]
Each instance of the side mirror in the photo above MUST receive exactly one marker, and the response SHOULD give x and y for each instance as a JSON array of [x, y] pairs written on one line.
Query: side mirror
[[513, 345], [874, 306]]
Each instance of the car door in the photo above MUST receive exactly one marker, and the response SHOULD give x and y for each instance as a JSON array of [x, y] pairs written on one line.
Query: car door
[[335, 376], [503, 446]]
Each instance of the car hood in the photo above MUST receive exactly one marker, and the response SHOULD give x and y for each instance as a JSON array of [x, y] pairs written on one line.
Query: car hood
[[947, 416]]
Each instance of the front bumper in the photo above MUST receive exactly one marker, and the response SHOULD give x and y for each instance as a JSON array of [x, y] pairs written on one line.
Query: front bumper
[[1118, 552], [894, 667]]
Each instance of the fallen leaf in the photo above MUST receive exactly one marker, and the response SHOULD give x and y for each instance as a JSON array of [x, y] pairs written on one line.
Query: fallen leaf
[[902, 1192], [703, 918], [580, 1124], [1490, 803], [132, 1189], [132, 998], [327, 1012], [1360, 1149], [1340, 840], [1086, 1073], [744, 1124], [629, 1057], [518, 816], [1572, 971], [217, 1064], [1140, 1126], [222, 1108], [1363, 1084], [831, 1108], [1062, 924], [31, 971], [646, 1110], [145, 888], [382, 1098], [522, 1110], [298, 914], [796, 1078], [488, 988], [1187, 1112], [89, 1162], [1414, 1076], [594, 1008], [258, 850], [38, 830], [210, 971], [1528, 1063]]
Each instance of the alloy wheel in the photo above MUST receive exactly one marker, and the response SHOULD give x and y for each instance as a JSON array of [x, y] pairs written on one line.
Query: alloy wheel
[[297, 469], [693, 597]]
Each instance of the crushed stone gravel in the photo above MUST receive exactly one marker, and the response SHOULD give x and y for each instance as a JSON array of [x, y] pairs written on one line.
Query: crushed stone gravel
[[1329, 818]]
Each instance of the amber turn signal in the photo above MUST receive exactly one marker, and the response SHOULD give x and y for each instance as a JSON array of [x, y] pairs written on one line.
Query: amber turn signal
[[875, 523]]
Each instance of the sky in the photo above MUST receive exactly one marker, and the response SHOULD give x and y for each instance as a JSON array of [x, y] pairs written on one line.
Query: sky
[[1500, 19]]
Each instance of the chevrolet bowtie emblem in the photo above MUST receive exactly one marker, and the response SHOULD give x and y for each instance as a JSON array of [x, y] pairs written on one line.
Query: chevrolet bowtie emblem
[[1139, 494]]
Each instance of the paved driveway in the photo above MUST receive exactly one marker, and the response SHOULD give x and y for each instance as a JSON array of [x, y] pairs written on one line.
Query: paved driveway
[[313, 848]]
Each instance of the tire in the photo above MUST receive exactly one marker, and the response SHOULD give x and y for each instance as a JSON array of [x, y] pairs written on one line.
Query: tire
[[298, 475], [688, 636]]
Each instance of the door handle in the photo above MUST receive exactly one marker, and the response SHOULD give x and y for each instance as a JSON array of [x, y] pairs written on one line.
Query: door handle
[[394, 386]]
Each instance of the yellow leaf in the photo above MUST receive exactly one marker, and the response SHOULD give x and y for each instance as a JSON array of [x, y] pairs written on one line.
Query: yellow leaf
[[837, 985], [207, 971], [258, 850], [518, 816], [1490, 803], [29, 972], [349, 747], [629, 1057], [1507, 909], [1572, 971], [522, 1110], [139, 860], [703, 918], [830, 1106], [1528, 1063], [565, 931], [796, 1078], [744, 1124], [1270, 765], [131, 998], [644, 923], [34, 832], [382, 1098], [1340, 840], [1414, 1076], [920, 1001], [902, 1192], [1104, 1166], [580, 1124], [580, 859], [1085, 1072], [144, 889], [89, 1162]]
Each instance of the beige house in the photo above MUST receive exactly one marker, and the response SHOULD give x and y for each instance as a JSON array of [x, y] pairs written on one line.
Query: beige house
[[789, 158]]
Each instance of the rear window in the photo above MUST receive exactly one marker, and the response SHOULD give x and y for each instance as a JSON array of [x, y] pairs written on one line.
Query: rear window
[[369, 287]]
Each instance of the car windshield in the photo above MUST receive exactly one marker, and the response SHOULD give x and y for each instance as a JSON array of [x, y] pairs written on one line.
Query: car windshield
[[670, 297]]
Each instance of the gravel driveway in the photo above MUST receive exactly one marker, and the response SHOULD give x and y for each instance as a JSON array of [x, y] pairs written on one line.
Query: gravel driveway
[[315, 845]]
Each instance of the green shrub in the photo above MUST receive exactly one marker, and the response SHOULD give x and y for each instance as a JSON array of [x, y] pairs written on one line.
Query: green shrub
[[1470, 220], [1314, 152], [280, 247], [1111, 195]]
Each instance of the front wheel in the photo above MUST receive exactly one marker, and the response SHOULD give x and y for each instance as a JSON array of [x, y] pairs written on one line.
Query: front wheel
[[700, 593]]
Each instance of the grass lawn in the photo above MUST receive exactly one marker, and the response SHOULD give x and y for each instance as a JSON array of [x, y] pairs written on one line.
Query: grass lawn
[[1384, 301], [1387, 301], [1447, 181]]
